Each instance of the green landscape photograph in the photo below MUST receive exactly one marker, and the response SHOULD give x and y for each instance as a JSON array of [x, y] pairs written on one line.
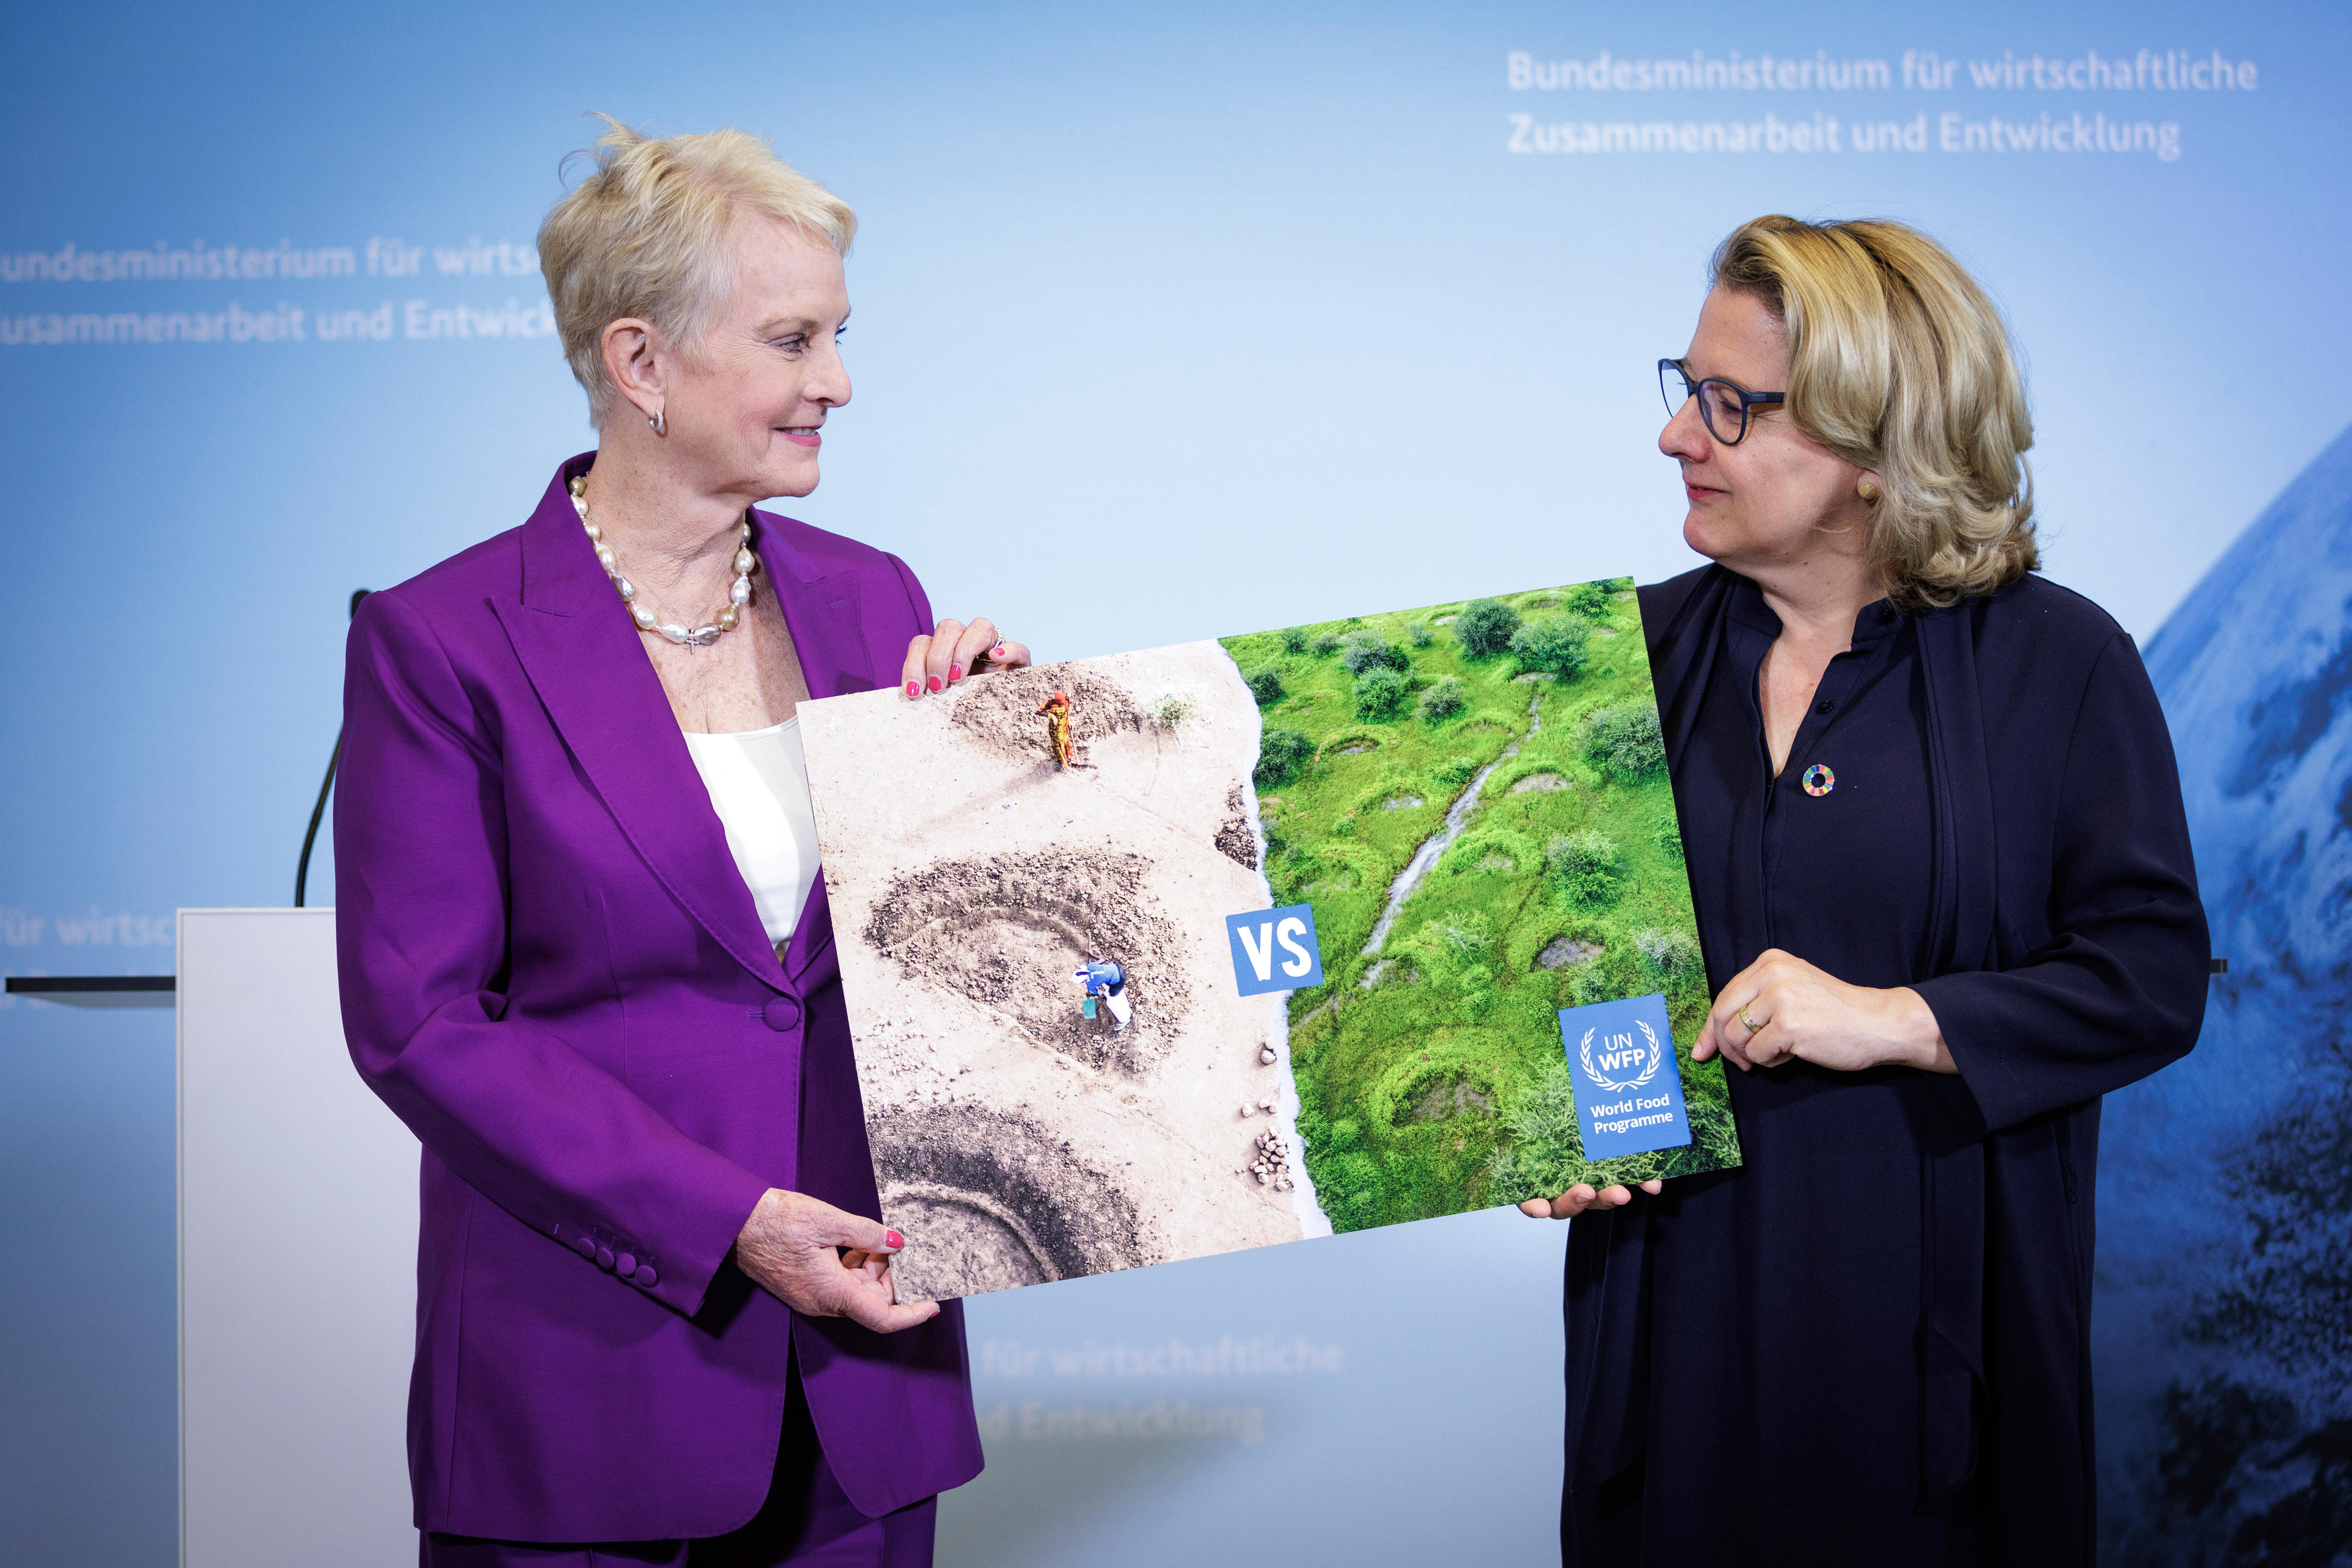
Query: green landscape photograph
[[1472, 799]]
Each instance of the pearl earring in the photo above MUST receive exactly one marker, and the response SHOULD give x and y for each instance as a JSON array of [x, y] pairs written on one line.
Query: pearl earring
[[1867, 490]]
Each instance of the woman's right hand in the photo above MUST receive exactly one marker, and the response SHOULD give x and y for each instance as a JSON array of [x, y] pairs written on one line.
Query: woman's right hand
[[824, 1262], [1580, 1198]]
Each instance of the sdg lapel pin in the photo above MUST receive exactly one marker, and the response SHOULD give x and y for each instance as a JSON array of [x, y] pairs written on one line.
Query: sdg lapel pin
[[1629, 1091], [1274, 949]]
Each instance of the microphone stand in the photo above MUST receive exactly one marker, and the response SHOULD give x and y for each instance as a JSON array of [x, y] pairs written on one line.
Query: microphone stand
[[318, 811]]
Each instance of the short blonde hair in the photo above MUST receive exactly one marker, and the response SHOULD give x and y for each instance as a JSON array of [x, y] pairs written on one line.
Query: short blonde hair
[[647, 234], [1900, 363]]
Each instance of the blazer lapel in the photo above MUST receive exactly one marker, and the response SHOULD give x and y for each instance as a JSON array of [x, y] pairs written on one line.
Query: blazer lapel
[[583, 658], [822, 611], [811, 963]]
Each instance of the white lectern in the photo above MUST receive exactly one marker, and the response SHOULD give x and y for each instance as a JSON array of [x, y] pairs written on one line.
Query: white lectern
[[297, 1261]]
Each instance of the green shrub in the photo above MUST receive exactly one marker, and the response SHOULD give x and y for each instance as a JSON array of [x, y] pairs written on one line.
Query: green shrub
[[1417, 633], [1624, 740], [1381, 694], [1669, 837], [1174, 709], [1446, 697], [1672, 954], [1368, 650], [1554, 644], [1458, 952], [1546, 1155], [1583, 866], [1294, 639], [1266, 686], [1329, 642], [1459, 941], [1484, 626], [1456, 770], [1589, 600], [1280, 754]]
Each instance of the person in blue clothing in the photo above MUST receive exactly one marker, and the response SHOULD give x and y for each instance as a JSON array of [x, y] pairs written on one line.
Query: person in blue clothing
[[1935, 843], [1104, 982]]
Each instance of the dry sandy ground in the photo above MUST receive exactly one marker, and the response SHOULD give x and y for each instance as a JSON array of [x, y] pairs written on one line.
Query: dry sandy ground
[[1015, 1139]]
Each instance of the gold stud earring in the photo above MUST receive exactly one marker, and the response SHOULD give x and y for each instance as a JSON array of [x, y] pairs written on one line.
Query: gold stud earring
[[1867, 490]]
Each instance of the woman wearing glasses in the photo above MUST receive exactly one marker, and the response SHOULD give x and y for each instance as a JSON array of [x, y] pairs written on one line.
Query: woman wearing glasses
[[1936, 839]]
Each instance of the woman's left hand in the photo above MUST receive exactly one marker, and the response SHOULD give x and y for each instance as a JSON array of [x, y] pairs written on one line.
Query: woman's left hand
[[957, 650], [1793, 1011], [1582, 1199]]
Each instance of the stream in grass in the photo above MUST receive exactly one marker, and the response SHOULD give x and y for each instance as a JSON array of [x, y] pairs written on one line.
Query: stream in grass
[[1456, 819]]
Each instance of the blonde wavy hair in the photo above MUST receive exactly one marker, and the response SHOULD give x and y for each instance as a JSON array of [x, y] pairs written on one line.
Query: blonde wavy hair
[[647, 234], [1900, 364]]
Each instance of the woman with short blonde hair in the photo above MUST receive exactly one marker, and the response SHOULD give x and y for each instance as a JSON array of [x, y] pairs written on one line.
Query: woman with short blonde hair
[[648, 233], [1936, 841], [584, 943]]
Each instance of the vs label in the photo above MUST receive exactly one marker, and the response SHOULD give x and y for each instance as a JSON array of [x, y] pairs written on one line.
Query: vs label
[[1274, 949], [1628, 1089]]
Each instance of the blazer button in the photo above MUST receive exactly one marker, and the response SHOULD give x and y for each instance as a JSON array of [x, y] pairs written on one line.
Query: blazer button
[[603, 1259], [625, 1265], [646, 1277], [585, 1245], [782, 1014]]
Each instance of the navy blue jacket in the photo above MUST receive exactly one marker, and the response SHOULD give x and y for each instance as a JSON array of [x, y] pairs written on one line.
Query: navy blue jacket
[[1869, 1344]]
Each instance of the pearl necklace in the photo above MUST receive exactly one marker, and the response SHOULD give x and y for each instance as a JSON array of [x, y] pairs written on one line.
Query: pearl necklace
[[739, 593]]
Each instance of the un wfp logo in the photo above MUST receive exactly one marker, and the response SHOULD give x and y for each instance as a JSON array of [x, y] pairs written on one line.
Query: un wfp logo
[[1620, 1054]]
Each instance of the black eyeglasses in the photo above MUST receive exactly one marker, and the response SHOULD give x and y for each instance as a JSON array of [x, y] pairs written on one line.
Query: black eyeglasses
[[1721, 403]]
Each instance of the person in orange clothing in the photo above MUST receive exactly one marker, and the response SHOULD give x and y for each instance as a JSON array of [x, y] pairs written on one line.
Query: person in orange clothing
[[1056, 709]]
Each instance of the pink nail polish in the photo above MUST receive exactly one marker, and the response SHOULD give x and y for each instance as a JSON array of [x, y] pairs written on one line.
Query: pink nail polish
[[892, 1239], [913, 690], [935, 682], [955, 671]]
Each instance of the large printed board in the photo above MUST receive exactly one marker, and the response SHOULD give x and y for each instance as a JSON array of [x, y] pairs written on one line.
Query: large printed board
[[1173, 953]]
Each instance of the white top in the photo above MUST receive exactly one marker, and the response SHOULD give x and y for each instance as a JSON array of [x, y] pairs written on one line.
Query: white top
[[759, 784]]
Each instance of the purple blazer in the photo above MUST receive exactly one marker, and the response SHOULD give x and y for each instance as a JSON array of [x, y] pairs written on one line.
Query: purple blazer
[[553, 973]]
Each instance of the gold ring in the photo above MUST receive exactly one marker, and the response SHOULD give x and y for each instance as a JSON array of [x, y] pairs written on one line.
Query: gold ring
[[1752, 1025]]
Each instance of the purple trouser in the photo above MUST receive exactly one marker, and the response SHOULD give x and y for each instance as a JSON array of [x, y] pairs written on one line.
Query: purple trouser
[[807, 1523]]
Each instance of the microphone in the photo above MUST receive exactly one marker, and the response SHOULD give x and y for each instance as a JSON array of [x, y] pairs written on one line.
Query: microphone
[[318, 811]]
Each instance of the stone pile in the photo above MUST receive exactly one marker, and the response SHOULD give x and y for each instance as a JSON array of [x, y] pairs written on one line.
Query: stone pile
[[1272, 1165]]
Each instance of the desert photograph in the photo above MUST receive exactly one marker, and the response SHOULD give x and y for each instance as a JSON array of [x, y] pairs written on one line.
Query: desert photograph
[[1059, 1076]]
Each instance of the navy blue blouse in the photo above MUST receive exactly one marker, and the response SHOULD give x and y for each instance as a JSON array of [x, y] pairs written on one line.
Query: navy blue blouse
[[1791, 859], [1866, 1344]]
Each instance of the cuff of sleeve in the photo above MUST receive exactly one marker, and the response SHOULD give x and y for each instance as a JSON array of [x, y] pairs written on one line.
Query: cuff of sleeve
[[1986, 1093], [728, 1210], [678, 1270]]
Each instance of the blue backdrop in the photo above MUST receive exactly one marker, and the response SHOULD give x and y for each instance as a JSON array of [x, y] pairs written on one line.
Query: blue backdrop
[[1267, 317]]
